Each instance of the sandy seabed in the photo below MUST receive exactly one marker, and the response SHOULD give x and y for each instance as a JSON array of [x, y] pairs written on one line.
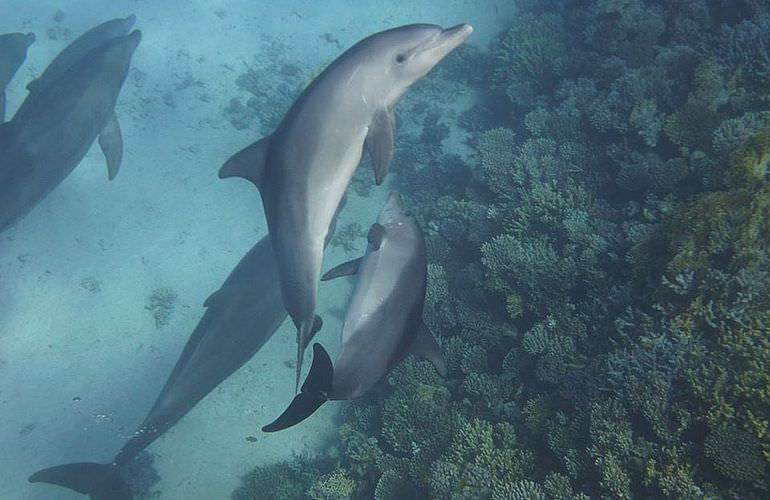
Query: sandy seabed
[[81, 359]]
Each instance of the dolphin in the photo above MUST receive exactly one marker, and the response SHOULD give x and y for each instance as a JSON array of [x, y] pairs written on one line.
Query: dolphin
[[383, 323], [54, 128], [13, 51], [79, 47], [241, 316], [303, 168]]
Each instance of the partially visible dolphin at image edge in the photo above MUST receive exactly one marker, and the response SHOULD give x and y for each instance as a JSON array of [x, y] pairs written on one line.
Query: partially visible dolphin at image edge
[[13, 52], [55, 127], [303, 168], [81, 46]]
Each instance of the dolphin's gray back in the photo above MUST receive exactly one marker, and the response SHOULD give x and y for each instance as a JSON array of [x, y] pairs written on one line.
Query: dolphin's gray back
[[78, 48], [240, 317]]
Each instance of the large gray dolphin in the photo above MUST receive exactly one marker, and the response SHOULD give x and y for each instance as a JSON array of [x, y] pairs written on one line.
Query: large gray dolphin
[[303, 168], [13, 51], [54, 127], [79, 47], [383, 322], [240, 317]]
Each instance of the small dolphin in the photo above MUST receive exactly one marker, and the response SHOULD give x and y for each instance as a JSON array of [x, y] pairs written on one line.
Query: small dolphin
[[79, 47], [383, 323], [13, 51], [240, 317], [54, 128], [303, 168]]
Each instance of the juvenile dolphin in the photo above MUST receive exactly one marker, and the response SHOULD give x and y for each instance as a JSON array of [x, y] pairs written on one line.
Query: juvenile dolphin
[[79, 47], [54, 128], [240, 317], [303, 168], [383, 323], [13, 51]]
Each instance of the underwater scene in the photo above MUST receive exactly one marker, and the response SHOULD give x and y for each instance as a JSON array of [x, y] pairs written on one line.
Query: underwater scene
[[451, 250]]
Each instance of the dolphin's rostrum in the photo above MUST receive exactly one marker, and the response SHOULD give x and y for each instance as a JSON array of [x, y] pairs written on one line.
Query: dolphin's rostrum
[[303, 168], [383, 323]]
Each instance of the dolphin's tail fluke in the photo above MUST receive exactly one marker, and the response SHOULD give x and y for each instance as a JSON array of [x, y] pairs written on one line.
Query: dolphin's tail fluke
[[305, 334], [99, 481], [315, 392]]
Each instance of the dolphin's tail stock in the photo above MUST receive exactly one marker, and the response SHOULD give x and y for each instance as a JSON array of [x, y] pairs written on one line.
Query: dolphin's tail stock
[[99, 481], [305, 333], [315, 392]]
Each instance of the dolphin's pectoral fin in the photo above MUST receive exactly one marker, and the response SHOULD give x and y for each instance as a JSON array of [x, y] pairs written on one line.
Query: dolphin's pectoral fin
[[2, 106], [379, 142], [111, 142], [248, 163], [303, 339], [315, 392], [348, 268], [375, 235], [425, 346]]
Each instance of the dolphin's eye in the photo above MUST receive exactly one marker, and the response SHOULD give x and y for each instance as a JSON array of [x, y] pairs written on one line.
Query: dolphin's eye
[[408, 213], [400, 58]]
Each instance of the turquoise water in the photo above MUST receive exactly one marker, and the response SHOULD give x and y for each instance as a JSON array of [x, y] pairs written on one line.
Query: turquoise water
[[591, 179]]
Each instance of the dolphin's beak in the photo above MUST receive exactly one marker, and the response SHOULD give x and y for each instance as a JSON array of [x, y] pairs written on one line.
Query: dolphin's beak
[[456, 34], [447, 40], [394, 197]]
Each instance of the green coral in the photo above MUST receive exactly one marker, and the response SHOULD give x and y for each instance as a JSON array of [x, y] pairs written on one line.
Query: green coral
[[335, 486]]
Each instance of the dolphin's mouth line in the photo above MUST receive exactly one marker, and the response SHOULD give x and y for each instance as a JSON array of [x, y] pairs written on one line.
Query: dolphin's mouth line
[[453, 36]]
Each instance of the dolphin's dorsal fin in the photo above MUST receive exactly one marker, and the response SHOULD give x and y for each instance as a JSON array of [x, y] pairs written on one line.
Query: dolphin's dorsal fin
[[111, 142], [248, 163], [379, 142], [223, 293], [348, 268], [375, 236], [425, 346]]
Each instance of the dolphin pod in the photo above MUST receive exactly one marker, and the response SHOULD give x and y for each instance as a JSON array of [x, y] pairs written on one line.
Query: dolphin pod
[[70, 106], [13, 52], [383, 323], [303, 168]]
